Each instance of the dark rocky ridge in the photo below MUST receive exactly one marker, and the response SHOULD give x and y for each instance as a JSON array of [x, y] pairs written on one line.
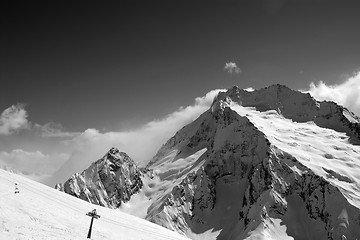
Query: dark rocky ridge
[[258, 176], [111, 180], [297, 106], [243, 181]]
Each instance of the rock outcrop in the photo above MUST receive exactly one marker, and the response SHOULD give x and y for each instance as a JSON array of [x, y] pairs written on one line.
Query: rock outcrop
[[269, 164], [245, 184], [297, 106], [111, 180]]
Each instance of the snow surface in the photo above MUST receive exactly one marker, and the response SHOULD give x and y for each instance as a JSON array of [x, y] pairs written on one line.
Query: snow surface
[[208, 221], [40, 212], [32, 176], [169, 173], [326, 152]]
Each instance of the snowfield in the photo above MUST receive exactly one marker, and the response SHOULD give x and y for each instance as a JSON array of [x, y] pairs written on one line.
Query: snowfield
[[260, 175], [326, 152], [40, 212]]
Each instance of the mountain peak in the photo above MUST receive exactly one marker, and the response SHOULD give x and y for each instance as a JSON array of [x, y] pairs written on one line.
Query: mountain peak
[[294, 105], [272, 88], [254, 162], [113, 150], [116, 176], [114, 155], [268, 98]]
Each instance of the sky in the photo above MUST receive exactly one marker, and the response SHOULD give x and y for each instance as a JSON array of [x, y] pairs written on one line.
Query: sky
[[79, 78]]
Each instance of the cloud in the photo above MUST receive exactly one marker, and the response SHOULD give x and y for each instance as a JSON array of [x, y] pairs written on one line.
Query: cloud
[[13, 119], [141, 144], [249, 89], [52, 129], [346, 93], [33, 162], [231, 68]]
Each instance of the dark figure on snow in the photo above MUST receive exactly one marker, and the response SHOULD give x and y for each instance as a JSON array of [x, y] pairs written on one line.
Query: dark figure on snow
[[16, 188]]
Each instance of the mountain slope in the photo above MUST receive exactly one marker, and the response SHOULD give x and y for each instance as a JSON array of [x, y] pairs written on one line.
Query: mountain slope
[[269, 164], [269, 170], [298, 107], [110, 181], [39, 212]]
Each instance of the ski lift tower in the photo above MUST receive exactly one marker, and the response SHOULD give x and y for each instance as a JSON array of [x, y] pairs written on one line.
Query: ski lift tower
[[93, 215]]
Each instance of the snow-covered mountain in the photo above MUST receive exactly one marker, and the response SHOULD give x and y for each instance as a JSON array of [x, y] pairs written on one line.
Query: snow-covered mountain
[[40, 212], [298, 107], [266, 170], [111, 180], [268, 164]]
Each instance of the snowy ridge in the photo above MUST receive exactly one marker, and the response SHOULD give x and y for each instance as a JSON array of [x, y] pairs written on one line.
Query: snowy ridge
[[326, 152], [298, 107], [265, 172], [39, 212], [268, 164], [226, 126]]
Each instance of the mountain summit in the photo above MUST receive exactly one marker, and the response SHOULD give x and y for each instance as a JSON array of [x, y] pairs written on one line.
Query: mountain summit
[[297, 106], [268, 164], [111, 180]]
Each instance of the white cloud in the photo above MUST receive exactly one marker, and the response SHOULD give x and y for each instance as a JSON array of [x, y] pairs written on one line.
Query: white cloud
[[33, 162], [141, 144], [13, 119], [52, 129], [346, 93], [249, 89], [231, 68]]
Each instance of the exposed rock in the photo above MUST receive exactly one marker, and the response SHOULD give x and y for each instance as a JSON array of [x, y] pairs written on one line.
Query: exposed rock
[[60, 187], [108, 182], [225, 173], [245, 181], [298, 106]]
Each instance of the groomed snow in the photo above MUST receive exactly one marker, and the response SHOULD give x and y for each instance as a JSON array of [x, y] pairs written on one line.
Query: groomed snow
[[40, 212]]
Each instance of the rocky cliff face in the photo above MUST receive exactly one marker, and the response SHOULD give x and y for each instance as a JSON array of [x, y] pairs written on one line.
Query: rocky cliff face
[[111, 180], [298, 107], [233, 146], [247, 186], [269, 164]]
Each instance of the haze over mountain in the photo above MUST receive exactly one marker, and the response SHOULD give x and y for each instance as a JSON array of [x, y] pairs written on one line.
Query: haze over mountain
[[272, 163]]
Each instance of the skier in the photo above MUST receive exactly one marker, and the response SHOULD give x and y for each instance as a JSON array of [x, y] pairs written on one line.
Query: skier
[[16, 188]]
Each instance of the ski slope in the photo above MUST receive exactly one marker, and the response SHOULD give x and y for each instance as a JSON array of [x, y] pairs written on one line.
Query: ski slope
[[40, 212]]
